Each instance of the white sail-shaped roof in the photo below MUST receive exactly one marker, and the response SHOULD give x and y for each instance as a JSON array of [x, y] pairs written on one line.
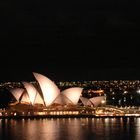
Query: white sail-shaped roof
[[97, 100], [31, 91], [25, 98], [73, 94], [17, 92], [49, 89], [38, 99], [85, 101], [62, 100]]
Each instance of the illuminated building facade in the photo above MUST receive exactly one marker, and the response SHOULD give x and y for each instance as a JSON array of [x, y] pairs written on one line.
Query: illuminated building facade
[[46, 98], [50, 94]]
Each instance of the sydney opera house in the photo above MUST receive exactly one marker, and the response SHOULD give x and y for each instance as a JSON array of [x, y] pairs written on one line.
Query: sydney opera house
[[45, 98]]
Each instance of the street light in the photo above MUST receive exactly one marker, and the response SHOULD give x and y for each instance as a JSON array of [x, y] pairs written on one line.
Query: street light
[[103, 102], [138, 91]]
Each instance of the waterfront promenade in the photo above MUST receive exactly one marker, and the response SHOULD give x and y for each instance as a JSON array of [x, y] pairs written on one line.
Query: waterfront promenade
[[104, 111]]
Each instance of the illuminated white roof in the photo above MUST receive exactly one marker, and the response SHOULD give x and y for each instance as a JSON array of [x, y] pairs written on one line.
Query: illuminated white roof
[[97, 100], [73, 94], [17, 92], [31, 91], [38, 99], [25, 98], [62, 100], [49, 89], [85, 101]]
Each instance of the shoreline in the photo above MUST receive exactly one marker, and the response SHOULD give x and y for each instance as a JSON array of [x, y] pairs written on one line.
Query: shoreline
[[63, 116]]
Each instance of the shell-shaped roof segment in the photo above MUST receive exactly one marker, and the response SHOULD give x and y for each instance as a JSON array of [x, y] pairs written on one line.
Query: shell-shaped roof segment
[[25, 98], [17, 92], [62, 100], [85, 101], [97, 100], [49, 89], [38, 99], [31, 91], [73, 94]]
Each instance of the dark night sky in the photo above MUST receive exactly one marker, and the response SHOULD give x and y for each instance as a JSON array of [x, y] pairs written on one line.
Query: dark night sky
[[69, 41]]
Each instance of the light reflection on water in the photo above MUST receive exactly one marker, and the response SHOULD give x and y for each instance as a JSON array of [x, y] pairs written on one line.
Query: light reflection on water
[[70, 129]]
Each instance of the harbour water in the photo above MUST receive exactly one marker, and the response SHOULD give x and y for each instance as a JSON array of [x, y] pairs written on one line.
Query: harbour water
[[70, 129]]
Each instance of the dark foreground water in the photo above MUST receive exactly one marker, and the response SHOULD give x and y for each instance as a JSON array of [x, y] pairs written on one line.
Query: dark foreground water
[[71, 129]]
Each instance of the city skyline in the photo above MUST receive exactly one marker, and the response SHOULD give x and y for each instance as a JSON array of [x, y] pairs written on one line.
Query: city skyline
[[117, 92]]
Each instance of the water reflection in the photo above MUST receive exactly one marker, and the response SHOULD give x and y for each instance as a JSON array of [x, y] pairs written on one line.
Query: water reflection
[[137, 127], [70, 129]]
